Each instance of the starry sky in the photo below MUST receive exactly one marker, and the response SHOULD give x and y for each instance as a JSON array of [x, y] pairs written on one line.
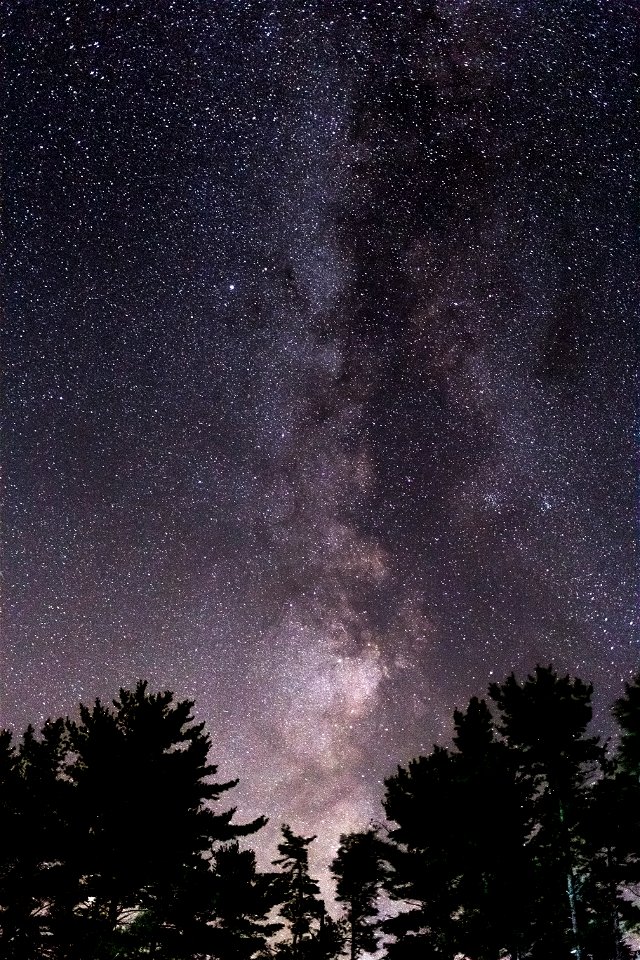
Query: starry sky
[[320, 369]]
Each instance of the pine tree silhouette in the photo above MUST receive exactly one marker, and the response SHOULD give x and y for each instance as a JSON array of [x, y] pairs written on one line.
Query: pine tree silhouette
[[112, 840], [301, 905], [357, 870], [543, 722]]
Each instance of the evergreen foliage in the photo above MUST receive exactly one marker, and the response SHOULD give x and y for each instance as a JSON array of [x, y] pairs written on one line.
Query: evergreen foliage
[[544, 722], [521, 840], [626, 710], [243, 899], [357, 870], [302, 908], [623, 815], [113, 834], [510, 844]]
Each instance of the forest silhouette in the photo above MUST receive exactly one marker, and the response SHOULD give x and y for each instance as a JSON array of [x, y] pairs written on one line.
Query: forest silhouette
[[522, 840]]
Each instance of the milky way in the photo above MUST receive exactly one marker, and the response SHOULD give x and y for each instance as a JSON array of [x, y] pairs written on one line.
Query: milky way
[[320, 352]]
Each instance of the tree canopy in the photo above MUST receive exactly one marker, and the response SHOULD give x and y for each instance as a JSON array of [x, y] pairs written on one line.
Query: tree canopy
[[521, 839]]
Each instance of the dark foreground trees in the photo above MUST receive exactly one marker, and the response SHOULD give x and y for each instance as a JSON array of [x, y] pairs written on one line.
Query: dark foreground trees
[[357, 869], [309, 932], [543, 722], [113, 845], [521, 840]]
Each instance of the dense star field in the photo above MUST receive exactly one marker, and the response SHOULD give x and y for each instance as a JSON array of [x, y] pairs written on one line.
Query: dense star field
[[320, 396]]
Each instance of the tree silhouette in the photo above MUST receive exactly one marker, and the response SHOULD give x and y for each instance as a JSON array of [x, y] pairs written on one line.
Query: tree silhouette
[[606, 836], [243, 898], [626, 710], [423, 857], [111, 843], [330, 939], [35, 838], [358, 873], [522, 839], [543, 722], [489, 850], [493, 913], [301, 905], [456, 847], [625, 792], [147, 826]]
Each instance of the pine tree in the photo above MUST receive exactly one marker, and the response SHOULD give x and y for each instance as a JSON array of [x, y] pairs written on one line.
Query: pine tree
[[302, 907], [330, 939], [489, 848], [357, 870], [327, 938], [492, 916], [626, 710], [605, 835], [543, 722], [456, 843], [243, 899], [146, 824], [34, 840], [626, 789], [423, 857]]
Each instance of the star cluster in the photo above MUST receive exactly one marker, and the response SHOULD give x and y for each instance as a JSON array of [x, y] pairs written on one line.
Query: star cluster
[[320, 347]]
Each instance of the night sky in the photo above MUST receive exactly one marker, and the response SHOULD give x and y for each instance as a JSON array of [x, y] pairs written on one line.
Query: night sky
[[320, 393]]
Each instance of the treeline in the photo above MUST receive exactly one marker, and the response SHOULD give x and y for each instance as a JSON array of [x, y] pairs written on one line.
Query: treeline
[[521, 841]]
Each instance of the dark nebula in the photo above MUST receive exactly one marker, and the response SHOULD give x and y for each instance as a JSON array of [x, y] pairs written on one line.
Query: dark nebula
[[320, 395]]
